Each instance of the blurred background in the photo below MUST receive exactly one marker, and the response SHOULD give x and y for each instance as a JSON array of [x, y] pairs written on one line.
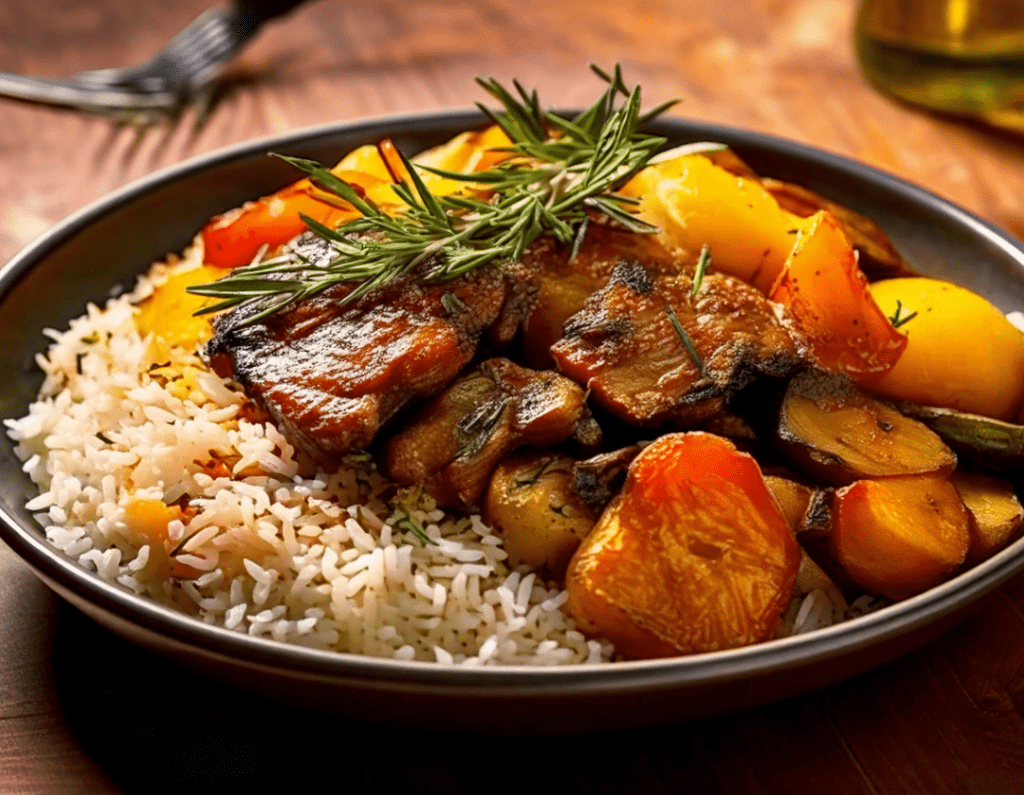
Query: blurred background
[[784, 67], [943, 720]]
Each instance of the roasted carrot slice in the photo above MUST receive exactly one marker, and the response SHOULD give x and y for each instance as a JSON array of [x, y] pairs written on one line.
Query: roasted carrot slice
[[233, 239], [694, 555], [828, 296], [900, 536]]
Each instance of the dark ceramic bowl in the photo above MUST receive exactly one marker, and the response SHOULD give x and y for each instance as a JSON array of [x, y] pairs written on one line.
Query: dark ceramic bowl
[[110, 242]]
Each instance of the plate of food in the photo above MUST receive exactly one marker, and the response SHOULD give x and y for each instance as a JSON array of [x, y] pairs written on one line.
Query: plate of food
[[518, 419]]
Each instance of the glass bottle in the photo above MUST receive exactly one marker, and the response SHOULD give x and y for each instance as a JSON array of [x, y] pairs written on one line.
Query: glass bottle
[[963, 57]]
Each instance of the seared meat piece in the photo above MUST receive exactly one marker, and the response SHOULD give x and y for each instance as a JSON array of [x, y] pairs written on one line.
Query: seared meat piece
[[452, 443], [332, 375], [626, 348], [560, 287]]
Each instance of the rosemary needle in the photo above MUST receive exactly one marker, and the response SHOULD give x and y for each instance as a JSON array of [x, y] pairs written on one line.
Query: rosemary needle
[[685, 339], [702, 265], [898, 319], [560, 170]]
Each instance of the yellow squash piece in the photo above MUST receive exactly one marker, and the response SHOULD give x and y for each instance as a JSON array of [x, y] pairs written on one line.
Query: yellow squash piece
[[169, 313], [697, 203], [961, 353]]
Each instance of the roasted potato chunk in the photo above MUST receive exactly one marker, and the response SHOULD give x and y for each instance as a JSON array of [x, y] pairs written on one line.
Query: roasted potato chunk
[[995, 510], [531, 502], [834, 432], [694, 555], [794, 498], [900, 536], [696, 203]]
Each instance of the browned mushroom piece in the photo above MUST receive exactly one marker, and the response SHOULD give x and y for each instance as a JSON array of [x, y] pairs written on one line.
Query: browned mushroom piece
[[837, 434], [452, 443]]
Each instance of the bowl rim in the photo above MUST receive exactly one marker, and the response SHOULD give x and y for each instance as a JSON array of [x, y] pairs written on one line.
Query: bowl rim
[[75, 582]]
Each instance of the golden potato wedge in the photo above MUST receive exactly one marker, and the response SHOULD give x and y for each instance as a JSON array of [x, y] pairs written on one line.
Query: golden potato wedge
[[998, 517], [530, 501], [900, 536], [961, 353]]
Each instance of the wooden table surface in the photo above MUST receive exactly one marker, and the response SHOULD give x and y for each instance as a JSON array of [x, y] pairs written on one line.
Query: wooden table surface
[[82, 711]]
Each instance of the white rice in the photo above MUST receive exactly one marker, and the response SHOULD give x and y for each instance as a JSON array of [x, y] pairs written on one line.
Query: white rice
[[276, 549]]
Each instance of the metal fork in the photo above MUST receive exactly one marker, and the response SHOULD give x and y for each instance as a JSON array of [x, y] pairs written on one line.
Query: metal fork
[[170, 80]]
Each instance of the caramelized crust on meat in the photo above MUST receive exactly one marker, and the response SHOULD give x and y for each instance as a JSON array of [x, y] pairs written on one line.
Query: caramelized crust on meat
[[453, 442], [332, 375], [560, 286], [625, 347]]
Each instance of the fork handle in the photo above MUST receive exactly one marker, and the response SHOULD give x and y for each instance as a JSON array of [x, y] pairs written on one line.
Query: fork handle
[[256, 12]]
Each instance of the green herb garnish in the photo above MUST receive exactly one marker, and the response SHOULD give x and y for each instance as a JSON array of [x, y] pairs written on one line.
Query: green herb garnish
[[702, 265], [452, 304], [896, 319], [685, 339], [476, 429], [560, 170], [407, 522]]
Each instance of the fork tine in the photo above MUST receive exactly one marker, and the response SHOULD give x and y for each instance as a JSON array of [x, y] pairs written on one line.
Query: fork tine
[[169, 80]]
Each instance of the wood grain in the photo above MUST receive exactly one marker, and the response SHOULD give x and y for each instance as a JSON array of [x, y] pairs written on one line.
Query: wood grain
[[81, 711]]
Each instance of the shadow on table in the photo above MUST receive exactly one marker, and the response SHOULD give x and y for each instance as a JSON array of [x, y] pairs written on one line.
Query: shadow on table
[[155, 727]]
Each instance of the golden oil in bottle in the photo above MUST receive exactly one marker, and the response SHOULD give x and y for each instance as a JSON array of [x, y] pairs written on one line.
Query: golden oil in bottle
[[964, 57]]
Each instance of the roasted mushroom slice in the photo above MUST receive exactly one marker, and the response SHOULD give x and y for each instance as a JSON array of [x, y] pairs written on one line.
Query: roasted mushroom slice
[[837, 434], [653, 353], [332, 373], [452, 443]]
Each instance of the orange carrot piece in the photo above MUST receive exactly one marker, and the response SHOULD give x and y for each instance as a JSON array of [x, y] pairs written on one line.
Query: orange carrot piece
[[828, 296], [233, 239], [694, 555]]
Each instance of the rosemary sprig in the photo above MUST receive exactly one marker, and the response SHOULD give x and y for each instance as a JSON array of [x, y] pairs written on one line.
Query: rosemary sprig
[[476, 429], [403, 518], [559, 170]]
